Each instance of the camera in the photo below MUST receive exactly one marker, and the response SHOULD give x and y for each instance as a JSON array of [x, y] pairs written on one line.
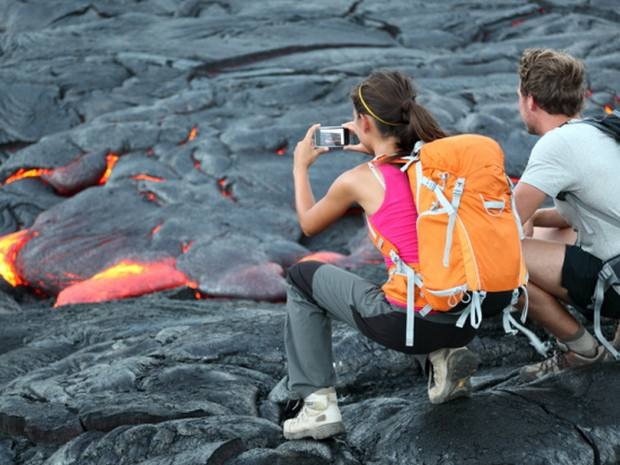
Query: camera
[[331, 136]]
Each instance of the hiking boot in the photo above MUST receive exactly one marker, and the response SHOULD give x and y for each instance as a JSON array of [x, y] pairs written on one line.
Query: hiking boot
[[561, 360], [616, 344], [450, 373], [319, 418]]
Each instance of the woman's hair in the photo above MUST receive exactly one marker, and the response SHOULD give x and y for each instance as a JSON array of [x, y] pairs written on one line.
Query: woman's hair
[[390, 98]]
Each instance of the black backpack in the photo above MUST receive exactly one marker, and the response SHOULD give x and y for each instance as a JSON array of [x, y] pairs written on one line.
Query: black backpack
[[609, 276], [609, 124]]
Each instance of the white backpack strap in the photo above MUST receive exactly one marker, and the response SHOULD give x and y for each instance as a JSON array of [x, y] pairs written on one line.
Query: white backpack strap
[[512, 326], [413, 280], [373, 170], [606, 278], [433, 186], [526, 305], [457, 193], [514, 209], [426, 310], [473, 310], [414, 157], [418, 177]]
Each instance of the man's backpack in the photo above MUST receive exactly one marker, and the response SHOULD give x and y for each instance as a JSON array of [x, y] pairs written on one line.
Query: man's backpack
[[609, 276], [609, 124], [469, 233]]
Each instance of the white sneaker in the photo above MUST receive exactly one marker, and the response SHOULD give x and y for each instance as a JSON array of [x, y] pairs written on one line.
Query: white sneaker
[[450, 373], [319, 418]]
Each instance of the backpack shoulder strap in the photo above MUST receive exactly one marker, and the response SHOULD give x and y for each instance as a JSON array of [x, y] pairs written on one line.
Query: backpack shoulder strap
[[610, 124], [607, 277], [375, 172]]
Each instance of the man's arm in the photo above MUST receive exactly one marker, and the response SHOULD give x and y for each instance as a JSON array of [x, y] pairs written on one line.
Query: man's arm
[[527, 199], [549, 218]]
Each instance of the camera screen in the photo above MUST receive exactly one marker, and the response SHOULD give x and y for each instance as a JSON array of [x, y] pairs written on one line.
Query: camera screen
[[333, 136]]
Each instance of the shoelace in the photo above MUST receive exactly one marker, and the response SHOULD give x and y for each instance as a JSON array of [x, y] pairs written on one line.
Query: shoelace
[[557, 360]]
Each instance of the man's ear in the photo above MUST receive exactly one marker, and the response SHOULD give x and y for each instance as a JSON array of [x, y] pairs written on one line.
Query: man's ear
[[531, 103]]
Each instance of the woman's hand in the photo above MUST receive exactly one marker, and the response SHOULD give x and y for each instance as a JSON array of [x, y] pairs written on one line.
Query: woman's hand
[[350, 125], [305, 152]]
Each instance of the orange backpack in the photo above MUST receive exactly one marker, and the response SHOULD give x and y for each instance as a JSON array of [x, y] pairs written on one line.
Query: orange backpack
[[469, 233]]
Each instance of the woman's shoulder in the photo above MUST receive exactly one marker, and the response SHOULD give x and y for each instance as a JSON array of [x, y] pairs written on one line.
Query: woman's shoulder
[[354, 178]]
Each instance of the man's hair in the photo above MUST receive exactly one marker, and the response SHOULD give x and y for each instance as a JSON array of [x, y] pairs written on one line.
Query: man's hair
[[555, 79]]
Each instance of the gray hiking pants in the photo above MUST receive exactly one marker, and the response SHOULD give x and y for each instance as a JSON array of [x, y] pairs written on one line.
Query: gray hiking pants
[[319, 293]]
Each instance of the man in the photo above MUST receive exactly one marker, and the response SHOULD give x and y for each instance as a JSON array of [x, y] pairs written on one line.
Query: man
[[577, 165]]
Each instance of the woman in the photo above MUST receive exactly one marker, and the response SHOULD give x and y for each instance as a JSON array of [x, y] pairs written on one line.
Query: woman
[[388, 121]]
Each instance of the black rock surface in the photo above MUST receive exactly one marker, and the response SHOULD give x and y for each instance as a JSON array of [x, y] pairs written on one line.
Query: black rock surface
[[202, 102]]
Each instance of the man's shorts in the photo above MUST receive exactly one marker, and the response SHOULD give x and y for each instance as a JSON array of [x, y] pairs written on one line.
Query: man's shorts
[[579, 277]]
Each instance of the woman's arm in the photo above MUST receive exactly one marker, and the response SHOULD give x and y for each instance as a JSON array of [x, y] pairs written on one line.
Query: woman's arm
[[315, 216]]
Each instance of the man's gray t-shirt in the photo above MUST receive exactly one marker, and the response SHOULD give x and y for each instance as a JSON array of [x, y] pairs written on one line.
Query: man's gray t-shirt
[[583, 162]]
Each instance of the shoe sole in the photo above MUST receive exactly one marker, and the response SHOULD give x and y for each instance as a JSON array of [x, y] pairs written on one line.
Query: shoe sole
[[320, 432], [461, 365]]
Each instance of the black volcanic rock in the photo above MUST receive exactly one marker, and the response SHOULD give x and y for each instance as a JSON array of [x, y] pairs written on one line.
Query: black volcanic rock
[[203, 103], [162, 379]]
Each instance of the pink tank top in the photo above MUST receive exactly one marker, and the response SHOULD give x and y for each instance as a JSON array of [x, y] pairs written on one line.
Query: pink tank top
[[396, 217]]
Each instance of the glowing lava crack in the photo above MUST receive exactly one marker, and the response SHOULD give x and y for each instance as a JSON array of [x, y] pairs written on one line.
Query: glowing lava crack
[[125, 279]]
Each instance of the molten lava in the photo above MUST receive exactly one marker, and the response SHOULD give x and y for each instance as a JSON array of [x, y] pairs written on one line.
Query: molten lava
[[196, 163], [225, 187], [193, 133], [185, 246], [10, 245], [23, 173], [146, 177], [150, 196], [111, 159], [125, 279], [155, 230], [325, 257]]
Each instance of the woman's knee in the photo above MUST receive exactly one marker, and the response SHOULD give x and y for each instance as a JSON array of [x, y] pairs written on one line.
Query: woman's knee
[[301, 275]]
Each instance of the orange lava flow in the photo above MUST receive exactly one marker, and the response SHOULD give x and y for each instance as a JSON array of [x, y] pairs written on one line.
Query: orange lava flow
[[193, 133], [146, 177], [10, 245], [125, 279], [111, 159], [155, 230], [23, 173], [324, 256]]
